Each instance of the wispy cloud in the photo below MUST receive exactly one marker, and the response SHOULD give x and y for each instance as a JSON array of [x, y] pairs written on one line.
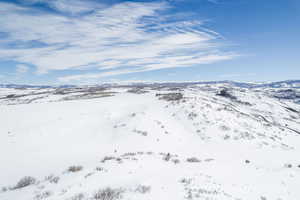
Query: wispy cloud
[[114, 39], [68, 6], [21, 69]]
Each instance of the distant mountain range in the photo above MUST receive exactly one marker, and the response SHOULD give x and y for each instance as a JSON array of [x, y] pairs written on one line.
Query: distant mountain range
[[33, 86], [279, 84]]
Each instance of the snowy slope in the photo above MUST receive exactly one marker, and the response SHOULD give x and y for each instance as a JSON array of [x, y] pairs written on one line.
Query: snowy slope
[[141, 143]]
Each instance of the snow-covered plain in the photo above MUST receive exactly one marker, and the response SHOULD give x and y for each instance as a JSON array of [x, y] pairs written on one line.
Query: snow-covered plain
[[142, 143]]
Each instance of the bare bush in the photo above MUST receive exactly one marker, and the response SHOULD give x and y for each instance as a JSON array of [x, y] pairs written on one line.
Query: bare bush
[[129, 154], [186, 181], [52, 179], [75, 168], [224, 128], [108, 194], [176, 161], [209, 160], [170, 96], [99, 169], [4, 189], [144, 133], [192, 115], [106, 158], [24, 182], [88, 174], [193, 160], [143, 189], [43, 195], [79, 196], [167, 157], [288, 165]]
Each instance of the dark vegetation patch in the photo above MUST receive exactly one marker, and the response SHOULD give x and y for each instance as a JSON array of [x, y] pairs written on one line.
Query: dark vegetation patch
[[52, 179], [137, 91], [193, 160], [75, 168], [287, 94], [225, 93], [170, 96], [24, 182], [108, 194], [89, 96]]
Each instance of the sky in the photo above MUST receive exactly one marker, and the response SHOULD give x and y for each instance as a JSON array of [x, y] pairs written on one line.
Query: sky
[[96, 41]]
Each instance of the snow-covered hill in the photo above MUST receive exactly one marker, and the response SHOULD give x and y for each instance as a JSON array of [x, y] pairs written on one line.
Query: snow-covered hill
[[158, 141]]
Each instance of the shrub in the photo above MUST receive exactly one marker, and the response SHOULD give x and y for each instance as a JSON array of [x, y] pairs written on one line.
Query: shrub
[[192, 115], [99, 169], [43, 195], [75, 168], [52, 179], [226, 137], [193, 159], [167, 157], [89, 174], [225, 93], [144, 133], [129, 154], [186, 180], [224, 128], [170, 96], [176, 161], [143, 189], [24, 182], [106, 158], [79, 196], [108, 194], [4, 189], [288, 165]]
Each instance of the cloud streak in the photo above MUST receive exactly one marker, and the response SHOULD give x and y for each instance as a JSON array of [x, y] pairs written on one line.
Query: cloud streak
[[21, 69], [113, 39]]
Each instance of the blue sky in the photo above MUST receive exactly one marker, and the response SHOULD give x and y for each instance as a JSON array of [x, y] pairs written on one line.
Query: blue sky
[[94, 41]]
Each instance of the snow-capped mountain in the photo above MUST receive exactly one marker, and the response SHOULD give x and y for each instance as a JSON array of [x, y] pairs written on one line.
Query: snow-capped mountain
[[196, 141], [279, 84]]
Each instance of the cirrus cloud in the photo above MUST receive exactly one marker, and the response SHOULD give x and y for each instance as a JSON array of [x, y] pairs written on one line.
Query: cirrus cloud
[[115, 39], [21, 69]]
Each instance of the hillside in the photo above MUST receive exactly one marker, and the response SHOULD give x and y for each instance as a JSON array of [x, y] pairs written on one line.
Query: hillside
[[209, 141]]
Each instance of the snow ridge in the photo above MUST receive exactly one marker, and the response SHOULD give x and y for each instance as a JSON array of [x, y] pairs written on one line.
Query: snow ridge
[[154, 141]]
